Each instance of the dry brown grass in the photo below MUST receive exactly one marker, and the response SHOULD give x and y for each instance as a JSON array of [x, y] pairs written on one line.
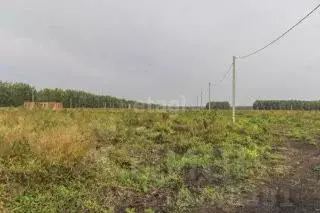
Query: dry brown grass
[[60, 145], [2, 207], [11, 132], [54, 144]]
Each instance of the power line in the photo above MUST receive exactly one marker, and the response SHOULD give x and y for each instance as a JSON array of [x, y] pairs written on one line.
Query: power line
[[214, 85], [226, 74], [222, 79], [281, 36]]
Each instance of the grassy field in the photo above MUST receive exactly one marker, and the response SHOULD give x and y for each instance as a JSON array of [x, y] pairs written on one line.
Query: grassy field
[[147, 161]]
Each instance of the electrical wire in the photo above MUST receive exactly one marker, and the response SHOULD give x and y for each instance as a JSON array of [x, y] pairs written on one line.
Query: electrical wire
[[226, 74], [281, 36]]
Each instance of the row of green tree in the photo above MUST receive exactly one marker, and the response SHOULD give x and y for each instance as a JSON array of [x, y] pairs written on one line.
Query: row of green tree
[[218, 105], [286, 105], [14, 95]]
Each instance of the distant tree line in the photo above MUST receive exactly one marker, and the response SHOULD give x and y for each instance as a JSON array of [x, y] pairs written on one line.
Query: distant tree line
[[244, 107], [14, 95], [218, 105], [286, 105]]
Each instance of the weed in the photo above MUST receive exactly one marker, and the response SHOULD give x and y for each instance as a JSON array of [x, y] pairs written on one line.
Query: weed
[[101, 161]]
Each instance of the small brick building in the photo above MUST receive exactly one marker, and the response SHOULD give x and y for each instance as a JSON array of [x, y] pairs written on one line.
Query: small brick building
[[43, 105]]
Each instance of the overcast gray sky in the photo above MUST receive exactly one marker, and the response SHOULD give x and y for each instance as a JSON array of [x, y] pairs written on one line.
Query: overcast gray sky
[[161, 49]]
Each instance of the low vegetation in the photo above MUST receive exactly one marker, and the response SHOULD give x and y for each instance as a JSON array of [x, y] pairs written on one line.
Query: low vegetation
[[140, 161]]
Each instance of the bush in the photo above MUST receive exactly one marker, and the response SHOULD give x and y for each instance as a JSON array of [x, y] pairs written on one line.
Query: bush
[[218, 105]]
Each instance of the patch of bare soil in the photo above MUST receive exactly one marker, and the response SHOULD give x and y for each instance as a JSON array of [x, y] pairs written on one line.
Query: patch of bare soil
[[156, 200], [296, 192]]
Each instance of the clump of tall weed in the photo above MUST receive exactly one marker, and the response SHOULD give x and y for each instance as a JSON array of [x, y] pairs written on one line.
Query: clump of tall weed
[[60, 145], [14, 139]]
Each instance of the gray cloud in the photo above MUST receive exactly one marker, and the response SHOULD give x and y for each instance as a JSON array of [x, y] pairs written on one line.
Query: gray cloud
[[161, 49]]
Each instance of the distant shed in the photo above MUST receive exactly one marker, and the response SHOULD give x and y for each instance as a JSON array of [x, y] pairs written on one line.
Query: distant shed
[[43, 105]]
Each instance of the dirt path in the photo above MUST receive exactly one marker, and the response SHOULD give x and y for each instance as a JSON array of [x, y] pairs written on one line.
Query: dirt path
[[296, 192]]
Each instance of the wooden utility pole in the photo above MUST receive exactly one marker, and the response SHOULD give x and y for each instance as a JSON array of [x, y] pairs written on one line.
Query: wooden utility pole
[[201, 104], [234, 91], [209, 95], [197, 101]]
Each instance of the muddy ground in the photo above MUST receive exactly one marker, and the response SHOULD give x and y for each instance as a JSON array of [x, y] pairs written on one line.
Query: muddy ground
[[296, 192]]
